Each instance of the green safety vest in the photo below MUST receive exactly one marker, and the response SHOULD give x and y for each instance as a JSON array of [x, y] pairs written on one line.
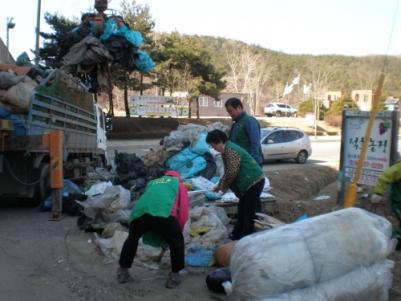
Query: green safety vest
[[249, 171], [157, 199], [242, 138]]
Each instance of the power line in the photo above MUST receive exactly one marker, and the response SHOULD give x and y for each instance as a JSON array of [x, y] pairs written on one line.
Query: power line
[[391, 35]]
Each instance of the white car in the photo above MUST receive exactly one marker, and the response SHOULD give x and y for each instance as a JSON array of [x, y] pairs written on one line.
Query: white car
[[285, 143], [279, 109]]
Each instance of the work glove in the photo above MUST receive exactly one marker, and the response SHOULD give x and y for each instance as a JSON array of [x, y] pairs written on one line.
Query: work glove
[[376, 198]]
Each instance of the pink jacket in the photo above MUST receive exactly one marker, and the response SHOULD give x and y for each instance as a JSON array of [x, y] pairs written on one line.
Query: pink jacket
[[180, 208]]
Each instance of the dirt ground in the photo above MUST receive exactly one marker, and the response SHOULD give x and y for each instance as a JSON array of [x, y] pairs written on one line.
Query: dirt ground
[[45, 260]]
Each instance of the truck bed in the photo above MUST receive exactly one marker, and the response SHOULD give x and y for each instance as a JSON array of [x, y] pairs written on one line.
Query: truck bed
[[47, 113]]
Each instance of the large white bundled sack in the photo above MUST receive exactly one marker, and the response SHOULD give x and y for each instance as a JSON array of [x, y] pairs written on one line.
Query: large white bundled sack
[[309, 252], [363, 284]]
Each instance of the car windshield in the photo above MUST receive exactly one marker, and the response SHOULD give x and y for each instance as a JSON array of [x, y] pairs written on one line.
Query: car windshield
[[281, 105], [265, 132]]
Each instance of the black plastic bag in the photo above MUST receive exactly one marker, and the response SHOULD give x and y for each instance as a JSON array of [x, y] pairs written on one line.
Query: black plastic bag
[[215, 279]]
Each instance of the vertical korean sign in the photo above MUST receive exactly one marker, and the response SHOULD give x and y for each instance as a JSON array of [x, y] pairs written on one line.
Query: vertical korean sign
[[382, 147]]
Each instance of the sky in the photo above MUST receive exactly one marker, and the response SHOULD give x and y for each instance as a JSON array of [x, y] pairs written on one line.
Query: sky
[[345, 27]]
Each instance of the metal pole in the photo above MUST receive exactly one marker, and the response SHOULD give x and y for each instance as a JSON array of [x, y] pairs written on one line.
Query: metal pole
[[56, 172], [10, 25], [37, 34], [8, 39], [315, 110], [351, 192]]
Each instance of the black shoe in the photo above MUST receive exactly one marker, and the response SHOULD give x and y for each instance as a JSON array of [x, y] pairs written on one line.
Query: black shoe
[[123, 275], [173, 280]]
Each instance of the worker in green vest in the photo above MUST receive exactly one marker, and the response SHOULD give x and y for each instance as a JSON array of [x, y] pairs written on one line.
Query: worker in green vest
[[244, 176], [391, 177], [159, 216], [245, 130]]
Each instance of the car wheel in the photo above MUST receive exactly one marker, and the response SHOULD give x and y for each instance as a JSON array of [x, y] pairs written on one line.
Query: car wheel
[[302, 157]]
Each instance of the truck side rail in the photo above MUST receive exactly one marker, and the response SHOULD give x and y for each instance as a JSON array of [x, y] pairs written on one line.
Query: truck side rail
[[54, 113]]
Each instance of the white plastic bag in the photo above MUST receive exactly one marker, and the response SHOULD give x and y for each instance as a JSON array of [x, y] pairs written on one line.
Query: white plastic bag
[[312, 251], [98, 188], [111, 247]]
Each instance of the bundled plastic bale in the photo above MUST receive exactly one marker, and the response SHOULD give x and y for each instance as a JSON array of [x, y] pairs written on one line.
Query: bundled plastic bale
[[364, 284], [20, 94], [9, 79], [312, 251]]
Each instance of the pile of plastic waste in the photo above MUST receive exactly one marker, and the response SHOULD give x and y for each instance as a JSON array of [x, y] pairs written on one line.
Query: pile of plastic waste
[[108, 205], [101, 41]]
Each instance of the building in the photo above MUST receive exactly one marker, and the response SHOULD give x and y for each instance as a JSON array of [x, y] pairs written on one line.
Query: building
[[363, 98], [209, 106], [5, 55], [330, 97]]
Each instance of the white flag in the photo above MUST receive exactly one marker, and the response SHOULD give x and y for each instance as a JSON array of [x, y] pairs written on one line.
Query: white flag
[[296, 80], [287, 89], [307, 89]]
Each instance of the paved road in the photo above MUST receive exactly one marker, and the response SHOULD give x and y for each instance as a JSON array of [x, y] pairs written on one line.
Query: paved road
[[325, 151]]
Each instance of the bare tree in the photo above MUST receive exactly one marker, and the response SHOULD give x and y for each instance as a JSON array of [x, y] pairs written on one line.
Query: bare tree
[[248, 73]]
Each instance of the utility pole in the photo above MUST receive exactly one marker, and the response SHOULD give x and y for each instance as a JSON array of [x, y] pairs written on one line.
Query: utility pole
[[315, 113], [10, 25], [37, 34]]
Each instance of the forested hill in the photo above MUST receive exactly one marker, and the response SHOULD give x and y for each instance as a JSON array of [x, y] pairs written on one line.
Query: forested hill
[[254, 68]]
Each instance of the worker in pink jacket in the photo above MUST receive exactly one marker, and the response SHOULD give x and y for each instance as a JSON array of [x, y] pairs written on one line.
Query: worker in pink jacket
[[159, 216]]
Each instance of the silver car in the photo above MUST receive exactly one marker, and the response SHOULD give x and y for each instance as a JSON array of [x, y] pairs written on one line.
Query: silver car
[[285, 143]]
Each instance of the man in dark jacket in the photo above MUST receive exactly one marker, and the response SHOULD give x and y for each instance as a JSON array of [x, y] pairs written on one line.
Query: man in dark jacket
[[245, 130]]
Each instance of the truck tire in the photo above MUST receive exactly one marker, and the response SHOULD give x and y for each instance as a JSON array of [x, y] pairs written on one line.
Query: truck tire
[[43, 189]]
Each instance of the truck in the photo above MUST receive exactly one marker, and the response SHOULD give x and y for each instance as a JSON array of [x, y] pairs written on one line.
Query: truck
[[62, 105]]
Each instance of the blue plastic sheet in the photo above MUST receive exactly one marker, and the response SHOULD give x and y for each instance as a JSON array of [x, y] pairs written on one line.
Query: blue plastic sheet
[[301, 218], [19, 125], [199, 257], [187, 163], [144, 62], [111, 28], [68, 187], [4, 113], [212, 196], [201, 147]]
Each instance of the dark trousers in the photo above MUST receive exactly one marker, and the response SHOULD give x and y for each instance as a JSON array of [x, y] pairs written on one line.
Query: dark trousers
[[248, 205], [168, 228]]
